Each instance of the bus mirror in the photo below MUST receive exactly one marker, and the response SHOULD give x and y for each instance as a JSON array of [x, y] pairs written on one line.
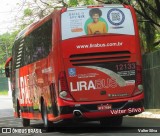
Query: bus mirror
[[7, 72], [8, 67]]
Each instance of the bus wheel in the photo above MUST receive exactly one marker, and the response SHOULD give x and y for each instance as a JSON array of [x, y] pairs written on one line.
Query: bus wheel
[[111, 121], [48, 125], [25, 122]]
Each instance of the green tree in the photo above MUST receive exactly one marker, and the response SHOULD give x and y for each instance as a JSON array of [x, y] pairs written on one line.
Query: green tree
[[37, 9], [6, 42], [148, 11], [80, 2], [73, 3]]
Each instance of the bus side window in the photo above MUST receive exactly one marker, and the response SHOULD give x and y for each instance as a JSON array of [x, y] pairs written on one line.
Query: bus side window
[[37, 44], [18, 52], [42, 41], [28, 49]]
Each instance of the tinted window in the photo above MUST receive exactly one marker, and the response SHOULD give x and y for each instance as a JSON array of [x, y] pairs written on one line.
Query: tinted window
[[38, 43], [18, 50], [33, 47]]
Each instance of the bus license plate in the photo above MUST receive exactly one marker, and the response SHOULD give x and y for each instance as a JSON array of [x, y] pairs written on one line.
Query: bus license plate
[[105, 107]]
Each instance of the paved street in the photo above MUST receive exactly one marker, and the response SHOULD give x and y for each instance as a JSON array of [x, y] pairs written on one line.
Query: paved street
[[6, 109], [130, 124], [91, 128]]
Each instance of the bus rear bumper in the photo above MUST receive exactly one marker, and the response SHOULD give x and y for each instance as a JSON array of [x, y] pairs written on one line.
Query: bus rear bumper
[[129, 109], [90, 111]]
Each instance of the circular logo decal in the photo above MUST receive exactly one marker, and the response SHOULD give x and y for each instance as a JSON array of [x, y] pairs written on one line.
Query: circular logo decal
[[115, 16]]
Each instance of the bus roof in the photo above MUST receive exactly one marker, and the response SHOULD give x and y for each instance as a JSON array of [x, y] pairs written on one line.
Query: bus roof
[[97, 6]]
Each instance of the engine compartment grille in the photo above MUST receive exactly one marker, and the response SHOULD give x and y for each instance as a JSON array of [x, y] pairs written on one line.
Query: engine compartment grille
[[99, 57]]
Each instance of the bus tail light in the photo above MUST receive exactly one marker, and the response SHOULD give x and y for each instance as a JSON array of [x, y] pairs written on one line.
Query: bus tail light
[[138, 84], [63, 87]]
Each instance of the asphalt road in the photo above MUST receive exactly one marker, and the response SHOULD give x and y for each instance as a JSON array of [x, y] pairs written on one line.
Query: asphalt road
[[6, 106], [131, 126]]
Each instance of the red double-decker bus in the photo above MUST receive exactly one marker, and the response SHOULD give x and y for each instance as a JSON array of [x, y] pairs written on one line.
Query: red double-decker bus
[[78, 63]]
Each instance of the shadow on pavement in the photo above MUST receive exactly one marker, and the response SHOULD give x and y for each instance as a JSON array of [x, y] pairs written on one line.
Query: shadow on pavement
[[83, 127]]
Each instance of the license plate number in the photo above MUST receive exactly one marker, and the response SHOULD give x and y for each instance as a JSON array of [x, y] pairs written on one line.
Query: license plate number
[[104, 107]]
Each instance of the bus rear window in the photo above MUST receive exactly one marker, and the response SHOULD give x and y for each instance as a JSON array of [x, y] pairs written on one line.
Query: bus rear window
[[90, 21]]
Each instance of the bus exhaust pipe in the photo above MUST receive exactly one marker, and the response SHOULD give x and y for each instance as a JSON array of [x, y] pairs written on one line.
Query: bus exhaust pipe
[[77, 113]]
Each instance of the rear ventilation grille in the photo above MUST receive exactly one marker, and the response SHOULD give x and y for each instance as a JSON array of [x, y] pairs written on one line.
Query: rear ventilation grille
[[100, 57]]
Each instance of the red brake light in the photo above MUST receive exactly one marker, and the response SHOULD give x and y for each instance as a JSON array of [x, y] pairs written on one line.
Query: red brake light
[[63, 81], [63, 87]]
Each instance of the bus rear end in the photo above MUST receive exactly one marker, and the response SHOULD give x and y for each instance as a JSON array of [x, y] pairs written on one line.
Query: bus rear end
[[102, 75]]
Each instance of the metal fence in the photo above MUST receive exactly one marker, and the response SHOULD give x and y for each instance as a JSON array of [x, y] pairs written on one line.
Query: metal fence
[[151, 79]]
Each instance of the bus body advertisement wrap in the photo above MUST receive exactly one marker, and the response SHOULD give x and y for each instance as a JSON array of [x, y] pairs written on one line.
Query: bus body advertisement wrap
[[78, 63]]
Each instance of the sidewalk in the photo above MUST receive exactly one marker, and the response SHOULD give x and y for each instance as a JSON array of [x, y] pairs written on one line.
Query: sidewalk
[[149, 113]]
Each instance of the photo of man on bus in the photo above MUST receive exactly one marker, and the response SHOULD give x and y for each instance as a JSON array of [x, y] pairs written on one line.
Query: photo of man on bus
[[97, 26]]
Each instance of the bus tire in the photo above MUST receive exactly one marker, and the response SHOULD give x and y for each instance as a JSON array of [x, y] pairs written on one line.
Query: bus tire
[[18, 109], [111, 121], [48, 125], [53, 97], [25, 122]]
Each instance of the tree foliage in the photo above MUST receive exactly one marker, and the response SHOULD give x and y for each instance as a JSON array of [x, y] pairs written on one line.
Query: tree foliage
[[6, 42], [73, 3], [37, 9], [28, 12]]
